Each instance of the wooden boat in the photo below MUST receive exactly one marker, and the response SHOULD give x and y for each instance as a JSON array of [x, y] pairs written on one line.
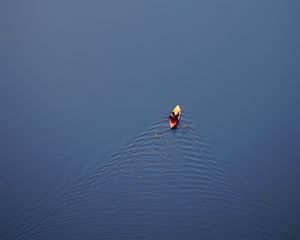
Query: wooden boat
[[174, 117]]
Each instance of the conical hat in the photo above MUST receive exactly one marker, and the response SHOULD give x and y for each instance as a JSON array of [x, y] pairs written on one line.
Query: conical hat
[[177, 110]]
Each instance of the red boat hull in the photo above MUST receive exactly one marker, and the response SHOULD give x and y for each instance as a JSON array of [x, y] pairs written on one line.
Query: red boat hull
[[173, 123]]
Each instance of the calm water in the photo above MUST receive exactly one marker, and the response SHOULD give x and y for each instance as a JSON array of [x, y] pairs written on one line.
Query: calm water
[[85, 91]]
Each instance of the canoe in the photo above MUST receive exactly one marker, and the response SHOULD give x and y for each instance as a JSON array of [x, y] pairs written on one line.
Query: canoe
[[173, 121]]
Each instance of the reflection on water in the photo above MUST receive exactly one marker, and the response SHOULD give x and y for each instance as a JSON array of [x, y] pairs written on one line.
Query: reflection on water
[[163, 184]]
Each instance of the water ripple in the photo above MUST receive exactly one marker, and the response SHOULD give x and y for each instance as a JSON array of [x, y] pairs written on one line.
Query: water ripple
[[161, 183]]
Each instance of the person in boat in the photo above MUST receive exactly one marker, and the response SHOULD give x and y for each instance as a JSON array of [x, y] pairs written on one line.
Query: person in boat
[[173, 117]]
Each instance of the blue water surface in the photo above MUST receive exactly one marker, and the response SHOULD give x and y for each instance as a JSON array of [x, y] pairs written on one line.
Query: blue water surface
[[85, 91]]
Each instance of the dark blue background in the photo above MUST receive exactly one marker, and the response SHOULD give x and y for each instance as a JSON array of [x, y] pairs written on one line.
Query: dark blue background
[[79, 78]]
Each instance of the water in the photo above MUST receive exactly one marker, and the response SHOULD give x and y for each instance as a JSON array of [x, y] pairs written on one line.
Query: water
[[86, 152]]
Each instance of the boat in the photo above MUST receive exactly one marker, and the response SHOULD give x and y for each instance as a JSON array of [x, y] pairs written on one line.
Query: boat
[[174, 117]]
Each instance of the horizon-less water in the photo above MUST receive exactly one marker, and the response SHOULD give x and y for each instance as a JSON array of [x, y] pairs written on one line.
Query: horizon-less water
[[86, 88]]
